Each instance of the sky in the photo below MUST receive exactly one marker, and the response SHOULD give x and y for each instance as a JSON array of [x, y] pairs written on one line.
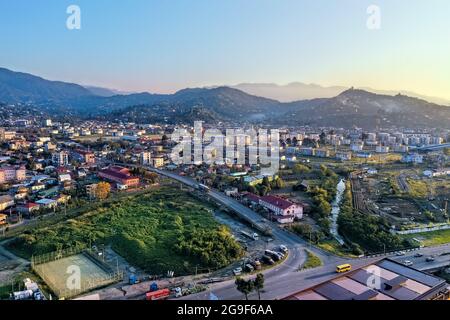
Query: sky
[[164, 46]]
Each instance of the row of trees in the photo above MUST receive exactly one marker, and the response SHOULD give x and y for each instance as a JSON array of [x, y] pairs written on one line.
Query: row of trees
[[266, 186], [248, 286]]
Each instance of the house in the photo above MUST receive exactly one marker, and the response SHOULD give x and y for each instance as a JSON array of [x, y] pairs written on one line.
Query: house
[[322, 153], [83, 156], [47, 203], [37, 187], [344, 156], [231, 192], [252, 198], [286, 210], [436, 173], [412, 158], [3, 219], [120, 176], [27, 208], [6, 202], [64, 177]]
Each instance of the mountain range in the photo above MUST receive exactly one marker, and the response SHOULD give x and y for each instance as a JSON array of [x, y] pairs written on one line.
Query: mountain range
[[300, 91], [340, 108]]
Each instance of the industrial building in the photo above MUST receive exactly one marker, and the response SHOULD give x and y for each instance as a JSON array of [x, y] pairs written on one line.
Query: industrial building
[[383, 280]]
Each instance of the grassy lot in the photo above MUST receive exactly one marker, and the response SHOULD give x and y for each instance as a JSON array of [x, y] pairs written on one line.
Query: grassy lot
[[312, 261], [431, 238], [335, 248], [165, 229], [417, 189]]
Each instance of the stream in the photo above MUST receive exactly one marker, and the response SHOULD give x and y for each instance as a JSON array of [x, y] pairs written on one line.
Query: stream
[[336, 210]]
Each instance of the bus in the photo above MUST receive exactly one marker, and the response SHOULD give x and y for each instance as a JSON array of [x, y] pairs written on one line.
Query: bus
[[343, 268]]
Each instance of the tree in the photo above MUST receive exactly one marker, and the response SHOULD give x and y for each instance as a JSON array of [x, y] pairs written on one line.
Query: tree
[[300, 169], [102, 191], [447, 151], [258, 284], [243, 286]]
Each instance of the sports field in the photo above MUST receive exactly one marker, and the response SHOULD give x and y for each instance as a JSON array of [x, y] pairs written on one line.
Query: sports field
[[61, 275]]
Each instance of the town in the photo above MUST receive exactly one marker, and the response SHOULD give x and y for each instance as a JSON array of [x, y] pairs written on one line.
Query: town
[[332, 186]]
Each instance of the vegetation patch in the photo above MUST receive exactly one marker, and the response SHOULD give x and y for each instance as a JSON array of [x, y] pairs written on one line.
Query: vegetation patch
[[165, 229], [432, 238], [312, 261]]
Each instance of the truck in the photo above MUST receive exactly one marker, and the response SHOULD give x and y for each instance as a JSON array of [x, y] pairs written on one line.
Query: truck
[[157, 295], [253, 236], [23, 295]]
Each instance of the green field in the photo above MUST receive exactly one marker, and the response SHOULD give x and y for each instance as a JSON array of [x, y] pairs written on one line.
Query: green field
[[165, 229], [431, 238]]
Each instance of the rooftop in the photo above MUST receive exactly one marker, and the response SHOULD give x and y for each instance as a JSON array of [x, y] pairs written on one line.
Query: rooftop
[[277, 202], [396, 282]]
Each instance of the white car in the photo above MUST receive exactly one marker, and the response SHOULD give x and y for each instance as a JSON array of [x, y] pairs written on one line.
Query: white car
[[408, 263], [400, 253], [237, 271], [284, 249]]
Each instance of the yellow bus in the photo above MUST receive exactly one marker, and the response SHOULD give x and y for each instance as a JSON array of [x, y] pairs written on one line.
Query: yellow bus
[[343, 268]]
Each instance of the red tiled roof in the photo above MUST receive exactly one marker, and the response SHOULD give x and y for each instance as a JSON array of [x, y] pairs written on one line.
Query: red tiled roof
[[252, 197], [277, 202]]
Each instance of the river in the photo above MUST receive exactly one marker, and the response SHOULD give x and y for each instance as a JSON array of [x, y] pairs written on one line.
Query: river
[[336, 209]]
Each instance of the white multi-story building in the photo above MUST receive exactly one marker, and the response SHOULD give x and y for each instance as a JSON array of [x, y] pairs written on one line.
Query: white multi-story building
[[146, 158], [60, 158]]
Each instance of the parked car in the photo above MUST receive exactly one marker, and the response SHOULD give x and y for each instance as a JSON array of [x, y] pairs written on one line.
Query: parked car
[[274, 255], [249, 268], [418, 255], [256, 264], [268, 260], [284, 249], [237, 271], [430, 259], [400, 253]]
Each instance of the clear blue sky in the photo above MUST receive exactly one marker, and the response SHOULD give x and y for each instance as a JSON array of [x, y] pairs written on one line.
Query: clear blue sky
[[165, 45]]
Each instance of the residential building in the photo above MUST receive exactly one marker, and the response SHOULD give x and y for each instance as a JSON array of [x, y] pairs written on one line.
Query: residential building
[[12, 173], [84, 156], [6, 202], [60, 158], [322, 153], [412, 158], [3, 219], [146, 158], [158, 162], [47, 203], [27, 208], [286, 210], [344, 156], [382, 149], [120, 176]]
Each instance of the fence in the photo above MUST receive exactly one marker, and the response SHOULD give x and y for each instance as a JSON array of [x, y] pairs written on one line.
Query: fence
[[56, 281], [425, 229]]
